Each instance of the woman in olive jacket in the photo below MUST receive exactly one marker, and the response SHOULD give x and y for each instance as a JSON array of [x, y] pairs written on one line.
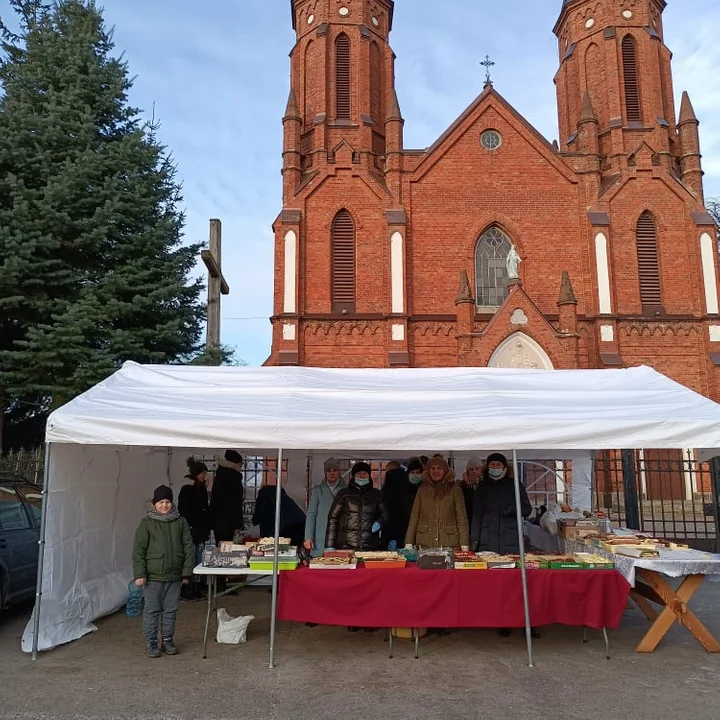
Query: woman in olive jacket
[[439, 518], [357, 515]]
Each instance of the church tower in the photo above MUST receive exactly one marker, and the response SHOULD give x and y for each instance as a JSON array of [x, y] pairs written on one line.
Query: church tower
[[613, 51], [341, 75]]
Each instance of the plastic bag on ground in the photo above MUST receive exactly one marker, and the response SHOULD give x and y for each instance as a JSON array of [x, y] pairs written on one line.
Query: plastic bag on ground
[[232, 631]]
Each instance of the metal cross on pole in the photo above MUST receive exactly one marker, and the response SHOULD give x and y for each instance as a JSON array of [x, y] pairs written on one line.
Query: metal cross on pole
[[212, 257], [487, 64]]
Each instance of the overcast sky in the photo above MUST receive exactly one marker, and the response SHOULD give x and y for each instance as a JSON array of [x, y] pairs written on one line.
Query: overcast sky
[[217, 72]]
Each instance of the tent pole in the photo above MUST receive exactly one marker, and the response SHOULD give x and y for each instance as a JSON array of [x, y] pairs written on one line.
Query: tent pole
[[273, 611], [523, 568], [41, 552]]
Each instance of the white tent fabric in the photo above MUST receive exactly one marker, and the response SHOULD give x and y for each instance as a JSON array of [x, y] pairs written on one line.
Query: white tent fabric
[[299, 408], [112, 445]]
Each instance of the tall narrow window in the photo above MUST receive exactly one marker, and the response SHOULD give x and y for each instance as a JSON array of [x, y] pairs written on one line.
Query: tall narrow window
[[377, 90], [342, 77], [648, 263], [343, 263], [491, 277], [630, 75]]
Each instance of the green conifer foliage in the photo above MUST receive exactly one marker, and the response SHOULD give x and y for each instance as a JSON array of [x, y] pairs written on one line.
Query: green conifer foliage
[[92, 268]]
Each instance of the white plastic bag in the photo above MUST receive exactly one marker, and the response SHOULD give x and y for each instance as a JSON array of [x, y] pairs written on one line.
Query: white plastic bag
[[232, 631]]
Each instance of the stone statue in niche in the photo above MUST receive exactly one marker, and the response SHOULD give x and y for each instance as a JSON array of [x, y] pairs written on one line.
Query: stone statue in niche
[[513, 262]]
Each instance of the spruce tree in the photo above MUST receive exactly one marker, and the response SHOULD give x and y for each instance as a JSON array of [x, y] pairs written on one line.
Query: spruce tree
[[92, 268]]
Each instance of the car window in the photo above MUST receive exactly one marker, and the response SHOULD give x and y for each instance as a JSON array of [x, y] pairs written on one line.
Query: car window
[[12, 511], [33, 496]]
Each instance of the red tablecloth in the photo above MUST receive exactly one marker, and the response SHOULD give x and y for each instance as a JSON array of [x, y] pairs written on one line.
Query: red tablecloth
[[451, 598]]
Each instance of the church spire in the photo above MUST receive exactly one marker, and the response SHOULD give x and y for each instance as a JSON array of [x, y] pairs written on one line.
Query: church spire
[[587, 114]]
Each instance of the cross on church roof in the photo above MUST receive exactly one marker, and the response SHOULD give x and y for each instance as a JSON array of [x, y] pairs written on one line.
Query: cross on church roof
[[487, 64]]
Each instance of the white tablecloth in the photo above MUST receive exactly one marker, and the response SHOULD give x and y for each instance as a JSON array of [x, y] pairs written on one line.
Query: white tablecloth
[[673, 563]]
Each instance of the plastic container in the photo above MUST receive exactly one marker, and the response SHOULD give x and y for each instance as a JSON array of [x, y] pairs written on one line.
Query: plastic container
[[133, 608]]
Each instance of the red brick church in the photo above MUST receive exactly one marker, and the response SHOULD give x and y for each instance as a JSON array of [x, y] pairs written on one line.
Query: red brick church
[[494, 246]]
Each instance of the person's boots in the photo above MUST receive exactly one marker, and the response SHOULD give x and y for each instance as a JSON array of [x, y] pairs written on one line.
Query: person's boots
[[151, 648], [168, 645]]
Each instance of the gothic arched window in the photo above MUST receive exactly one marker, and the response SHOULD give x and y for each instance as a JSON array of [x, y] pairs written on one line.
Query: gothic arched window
[[342, 77], [631, 78], [343, 263], [648, 263], [491, 277]]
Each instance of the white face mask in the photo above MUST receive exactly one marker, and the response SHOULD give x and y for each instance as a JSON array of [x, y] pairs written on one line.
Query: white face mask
[[497, 473]]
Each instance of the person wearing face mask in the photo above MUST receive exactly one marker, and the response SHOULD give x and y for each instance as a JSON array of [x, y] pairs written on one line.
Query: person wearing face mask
[[321, 499], [358, 514], [399, 493], [438, 516], [494, 525], [470, 479]]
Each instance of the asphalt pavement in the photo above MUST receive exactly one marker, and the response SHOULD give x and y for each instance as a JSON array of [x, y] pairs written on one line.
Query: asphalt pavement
[[328, 672]]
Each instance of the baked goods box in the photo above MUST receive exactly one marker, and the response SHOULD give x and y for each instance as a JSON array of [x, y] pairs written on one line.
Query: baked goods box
[[563, 563], [267, 564], [318, 564], [429, 561], [387, 564], [591, 561], [470, 565], [497, 562]]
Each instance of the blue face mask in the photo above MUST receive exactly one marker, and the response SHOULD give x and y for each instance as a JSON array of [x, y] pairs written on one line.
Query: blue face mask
[[496, 473], [415, 479], [362, 482]]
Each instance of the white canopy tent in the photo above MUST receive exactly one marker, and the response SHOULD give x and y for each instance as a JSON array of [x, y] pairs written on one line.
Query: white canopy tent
[[108, 448]]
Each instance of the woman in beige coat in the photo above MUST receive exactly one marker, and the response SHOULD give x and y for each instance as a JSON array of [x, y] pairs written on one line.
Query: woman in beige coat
[[439, 518]]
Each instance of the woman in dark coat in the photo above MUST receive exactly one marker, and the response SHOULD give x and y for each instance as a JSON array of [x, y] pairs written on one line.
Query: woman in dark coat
[[494, 523], [227, 497], [292, 518], [399, 493], [470, 479], [193, 503], [358, 514], [193, 506]]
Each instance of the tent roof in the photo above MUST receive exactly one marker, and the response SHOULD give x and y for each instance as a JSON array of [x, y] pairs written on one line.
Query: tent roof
[[453, 409]]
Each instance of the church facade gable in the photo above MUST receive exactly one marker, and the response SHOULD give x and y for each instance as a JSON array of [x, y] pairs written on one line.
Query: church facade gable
[[594, 251]]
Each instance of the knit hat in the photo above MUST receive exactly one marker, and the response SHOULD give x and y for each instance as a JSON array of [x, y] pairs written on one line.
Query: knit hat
[[162, 492], [473, 462], [331, 464], [497, 457], [415, 465], [439, 460], [195, 468], [360, 467], [233, 456]]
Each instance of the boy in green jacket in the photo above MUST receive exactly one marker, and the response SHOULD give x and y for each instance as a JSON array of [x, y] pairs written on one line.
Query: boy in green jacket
[[163, 557]]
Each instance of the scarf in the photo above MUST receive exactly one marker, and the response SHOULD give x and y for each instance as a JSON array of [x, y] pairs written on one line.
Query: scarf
[[167, 517]]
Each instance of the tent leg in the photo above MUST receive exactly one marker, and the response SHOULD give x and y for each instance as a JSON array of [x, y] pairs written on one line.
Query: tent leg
[[523, 569], [273, 611], [41, 553]]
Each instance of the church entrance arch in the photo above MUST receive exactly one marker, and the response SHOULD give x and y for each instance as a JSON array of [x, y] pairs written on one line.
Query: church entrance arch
[[520, 351]]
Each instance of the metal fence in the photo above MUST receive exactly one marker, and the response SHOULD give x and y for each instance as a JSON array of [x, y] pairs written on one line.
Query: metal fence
[[28, 464], [667, 493]]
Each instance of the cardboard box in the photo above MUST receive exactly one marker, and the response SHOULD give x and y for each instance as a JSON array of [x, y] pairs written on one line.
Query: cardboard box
[[560, 565], [434, 562]]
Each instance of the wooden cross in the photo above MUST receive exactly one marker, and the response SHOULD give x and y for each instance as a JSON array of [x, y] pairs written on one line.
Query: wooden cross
[[487, 64], [216, 284]]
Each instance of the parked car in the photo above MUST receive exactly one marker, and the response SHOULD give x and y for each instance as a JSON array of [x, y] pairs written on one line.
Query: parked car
[[20, 510]]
